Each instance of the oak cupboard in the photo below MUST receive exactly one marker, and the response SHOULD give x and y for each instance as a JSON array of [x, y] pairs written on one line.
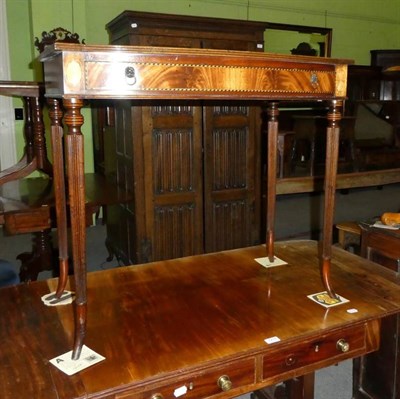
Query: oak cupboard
[[192, 169]]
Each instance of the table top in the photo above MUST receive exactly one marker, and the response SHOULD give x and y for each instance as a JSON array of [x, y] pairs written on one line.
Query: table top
[[94, 71], [165, 322], [36, 192], [21, 88]]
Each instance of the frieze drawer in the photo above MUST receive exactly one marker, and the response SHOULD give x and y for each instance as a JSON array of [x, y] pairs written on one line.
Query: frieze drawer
[[201, 384], [143, 74], [337, 346]]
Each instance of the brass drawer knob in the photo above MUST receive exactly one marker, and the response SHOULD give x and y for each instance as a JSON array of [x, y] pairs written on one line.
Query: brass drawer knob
[[157, 396], [224, 383], [342, 345]]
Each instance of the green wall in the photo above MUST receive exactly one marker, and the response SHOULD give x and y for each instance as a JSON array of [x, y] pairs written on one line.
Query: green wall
[[358, 27]]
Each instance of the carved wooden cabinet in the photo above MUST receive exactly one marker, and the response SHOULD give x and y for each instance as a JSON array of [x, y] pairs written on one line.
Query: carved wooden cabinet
[[192, 168]]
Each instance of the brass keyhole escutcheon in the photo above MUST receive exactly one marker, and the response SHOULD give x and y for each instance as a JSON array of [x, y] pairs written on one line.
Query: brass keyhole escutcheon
[[314, 80], [224, 383], [157, 396], [343, 345]]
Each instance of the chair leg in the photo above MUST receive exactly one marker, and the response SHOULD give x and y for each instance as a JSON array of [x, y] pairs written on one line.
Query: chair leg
[[41, 258]]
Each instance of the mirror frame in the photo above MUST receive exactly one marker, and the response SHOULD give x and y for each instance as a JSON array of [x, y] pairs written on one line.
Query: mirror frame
[[327, 32]]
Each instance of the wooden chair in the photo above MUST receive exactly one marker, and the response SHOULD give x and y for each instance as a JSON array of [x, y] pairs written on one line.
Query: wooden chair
[[28, 205], [309, 145], [349, 236], [31, 216], [35, 152]]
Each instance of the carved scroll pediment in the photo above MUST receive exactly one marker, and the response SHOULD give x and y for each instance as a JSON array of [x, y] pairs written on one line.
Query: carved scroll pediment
[[56, 35]]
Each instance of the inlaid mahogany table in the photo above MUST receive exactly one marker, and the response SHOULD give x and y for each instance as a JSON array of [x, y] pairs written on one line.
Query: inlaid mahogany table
[[214, 326], [74, 73]]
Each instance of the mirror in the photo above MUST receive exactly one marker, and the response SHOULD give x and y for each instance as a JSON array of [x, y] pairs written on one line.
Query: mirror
[[298, 39]]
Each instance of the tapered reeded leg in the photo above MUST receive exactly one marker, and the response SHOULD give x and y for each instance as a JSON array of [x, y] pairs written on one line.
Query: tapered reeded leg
[[76, 185], [332, 149], [56, 114], [271, 176]]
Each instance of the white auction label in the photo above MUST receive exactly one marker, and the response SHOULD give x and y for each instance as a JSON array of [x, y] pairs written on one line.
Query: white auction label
[[271, 340]]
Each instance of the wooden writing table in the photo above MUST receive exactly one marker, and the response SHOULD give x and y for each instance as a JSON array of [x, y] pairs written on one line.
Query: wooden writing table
[[77, 72], [189, 321], [185, 325]]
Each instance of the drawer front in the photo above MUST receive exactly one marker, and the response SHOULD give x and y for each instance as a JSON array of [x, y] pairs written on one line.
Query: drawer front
[[199, 385], [331, 346], [27, 222], [182, 75], [175, 80]]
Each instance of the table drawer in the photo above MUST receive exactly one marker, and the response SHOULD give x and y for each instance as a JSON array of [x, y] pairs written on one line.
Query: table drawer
[[201, 384], [338, 345], [27, 220]]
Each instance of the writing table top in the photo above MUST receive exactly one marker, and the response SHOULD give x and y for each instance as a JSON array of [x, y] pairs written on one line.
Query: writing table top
[[109, 71], [163, 321]]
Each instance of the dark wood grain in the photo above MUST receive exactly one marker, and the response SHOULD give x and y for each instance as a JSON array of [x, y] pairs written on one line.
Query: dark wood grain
[[169, 323], [193, 168]]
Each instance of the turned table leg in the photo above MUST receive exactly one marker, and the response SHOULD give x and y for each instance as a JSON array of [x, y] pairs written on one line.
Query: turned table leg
[[271, 176], [55, 114], [76, 185], [332, 149]]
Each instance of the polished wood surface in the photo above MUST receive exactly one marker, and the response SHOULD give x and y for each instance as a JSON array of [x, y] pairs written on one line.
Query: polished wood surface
[[192, 320], [162, 73], [38, 192], [76, 72]]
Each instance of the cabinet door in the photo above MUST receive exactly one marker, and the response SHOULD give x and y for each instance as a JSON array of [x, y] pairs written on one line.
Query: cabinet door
[[122, 165], [232, 167], [172, 148]]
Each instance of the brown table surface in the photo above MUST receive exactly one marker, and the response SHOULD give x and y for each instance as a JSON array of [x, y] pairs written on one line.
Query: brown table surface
[[36, 192], [163, 323]]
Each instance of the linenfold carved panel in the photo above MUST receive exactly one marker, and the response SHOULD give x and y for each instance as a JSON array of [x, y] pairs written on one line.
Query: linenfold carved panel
[[175, 225], [173, 160], [171, 109], [230, 158], [230, 224], [230, 110]]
